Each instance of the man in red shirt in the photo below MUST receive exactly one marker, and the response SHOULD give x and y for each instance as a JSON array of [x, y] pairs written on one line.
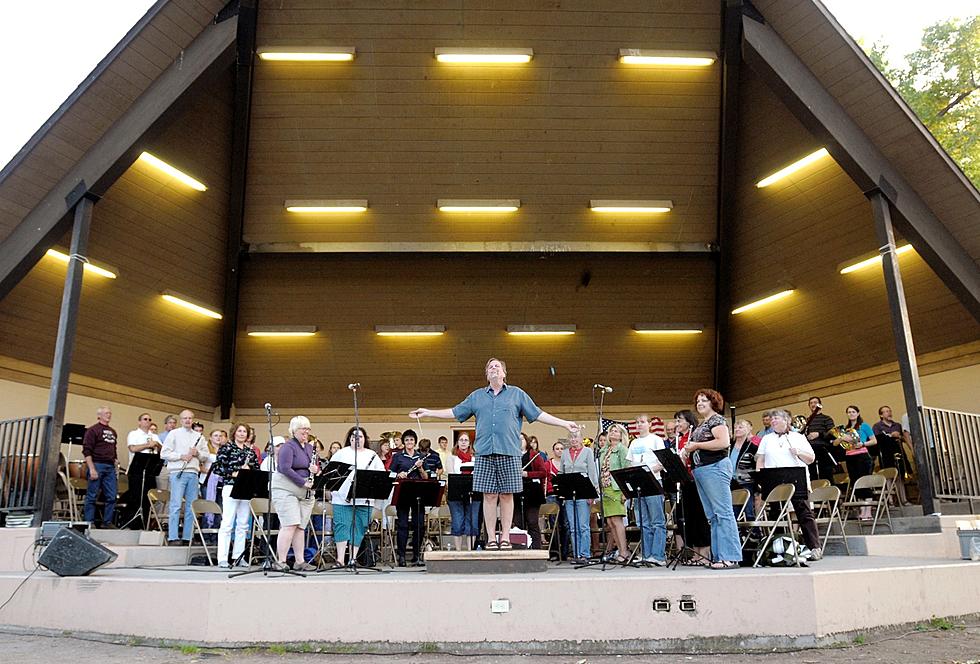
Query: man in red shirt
[[99, 450]]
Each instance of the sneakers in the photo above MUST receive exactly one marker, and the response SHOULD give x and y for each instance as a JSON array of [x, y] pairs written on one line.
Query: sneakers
[[224, 564], [816, 554], [654, 561]]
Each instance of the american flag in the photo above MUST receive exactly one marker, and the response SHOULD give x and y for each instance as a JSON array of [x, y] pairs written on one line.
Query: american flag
[[656, 426]]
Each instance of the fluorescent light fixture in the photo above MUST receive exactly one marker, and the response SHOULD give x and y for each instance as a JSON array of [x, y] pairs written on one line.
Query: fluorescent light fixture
[[765, 300], [306, 53], [101, 269], [163, 166], [409, 330], [667, 328], [874, 260], [187, 303], [488, 205], [666, 58], [541, 330], [326, 206], [281, 330], [502, 56], [792, 168], [631, 207]]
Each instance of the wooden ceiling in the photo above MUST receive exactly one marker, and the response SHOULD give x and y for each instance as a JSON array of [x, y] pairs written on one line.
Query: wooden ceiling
[[401, 130]]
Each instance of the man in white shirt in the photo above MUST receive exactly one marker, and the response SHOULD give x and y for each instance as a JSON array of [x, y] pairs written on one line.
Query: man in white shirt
[[141, 440], [183, 451], [649, 509]]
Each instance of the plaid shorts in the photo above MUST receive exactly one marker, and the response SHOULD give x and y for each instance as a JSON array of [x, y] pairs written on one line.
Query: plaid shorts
[[497, 473]]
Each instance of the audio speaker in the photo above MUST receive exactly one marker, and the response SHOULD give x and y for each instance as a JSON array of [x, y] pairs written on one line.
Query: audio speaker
[[71, 554]]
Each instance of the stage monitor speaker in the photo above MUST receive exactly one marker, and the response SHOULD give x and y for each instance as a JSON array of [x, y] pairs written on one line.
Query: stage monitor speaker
[[71, 554]]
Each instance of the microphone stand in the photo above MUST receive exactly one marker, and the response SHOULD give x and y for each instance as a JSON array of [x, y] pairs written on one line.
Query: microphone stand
[[267, 564], [603, 562]]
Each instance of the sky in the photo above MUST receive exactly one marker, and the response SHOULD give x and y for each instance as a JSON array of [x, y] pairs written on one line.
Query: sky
[[48, 47]]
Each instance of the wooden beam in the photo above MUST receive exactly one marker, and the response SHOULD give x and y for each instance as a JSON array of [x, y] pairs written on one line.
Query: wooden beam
[[907, 365], [854, 151], [538, 247], [61, 369], [245, 48], [211, 51]]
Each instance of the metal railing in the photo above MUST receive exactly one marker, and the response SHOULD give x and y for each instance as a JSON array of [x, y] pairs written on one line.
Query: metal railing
[[953, 440], [21, 443]]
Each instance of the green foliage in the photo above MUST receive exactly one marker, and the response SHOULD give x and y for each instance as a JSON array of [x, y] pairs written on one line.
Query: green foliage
[[189, 650], [943, 624], [941, 82]]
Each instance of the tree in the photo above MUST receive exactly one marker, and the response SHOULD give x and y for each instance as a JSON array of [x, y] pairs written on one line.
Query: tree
[[941, 82]]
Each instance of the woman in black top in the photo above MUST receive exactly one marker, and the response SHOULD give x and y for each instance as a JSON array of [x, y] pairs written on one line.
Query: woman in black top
[[692, 525], [233, 456], [708, 451]]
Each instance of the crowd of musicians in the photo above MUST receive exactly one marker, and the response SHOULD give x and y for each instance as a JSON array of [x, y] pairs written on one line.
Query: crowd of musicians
[[718, 456]]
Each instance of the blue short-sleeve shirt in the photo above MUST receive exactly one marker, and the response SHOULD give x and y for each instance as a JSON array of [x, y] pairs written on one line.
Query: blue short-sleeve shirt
[[498, 418]]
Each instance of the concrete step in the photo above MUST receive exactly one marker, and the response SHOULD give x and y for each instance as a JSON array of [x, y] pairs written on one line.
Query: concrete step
[[902, 525], [125, 537], [486, 562], [149, 556], [912, 545]]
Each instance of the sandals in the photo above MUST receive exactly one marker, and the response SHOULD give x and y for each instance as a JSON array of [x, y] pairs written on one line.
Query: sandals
[[724, 564], [694, 562], [493, 546], [505, 545]]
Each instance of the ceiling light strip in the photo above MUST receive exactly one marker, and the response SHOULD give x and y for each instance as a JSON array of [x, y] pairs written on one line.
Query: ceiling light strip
[[281, 330], [173, 172], [306, 53], [792, 168], [190, 304], [541, 330], [764, 300], [92, 267], [502, 56]]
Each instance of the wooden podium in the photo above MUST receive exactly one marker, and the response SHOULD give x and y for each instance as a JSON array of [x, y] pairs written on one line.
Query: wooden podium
[[517, 561]]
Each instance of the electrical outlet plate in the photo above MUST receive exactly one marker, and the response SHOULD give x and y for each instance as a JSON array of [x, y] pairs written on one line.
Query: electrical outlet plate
[[500, 606]]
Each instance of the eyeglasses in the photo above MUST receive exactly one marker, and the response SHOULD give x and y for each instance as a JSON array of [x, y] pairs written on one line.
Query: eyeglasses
[[145, 419]]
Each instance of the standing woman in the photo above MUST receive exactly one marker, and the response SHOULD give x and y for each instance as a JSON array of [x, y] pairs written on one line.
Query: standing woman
[[233, 456], [352, 518], [614, 456], [464, 514], [858, 459], [708, 451], [534, 468], [384, 451], [554, 467], [689, 516], [296, 464], [579, 459], [742, 456]]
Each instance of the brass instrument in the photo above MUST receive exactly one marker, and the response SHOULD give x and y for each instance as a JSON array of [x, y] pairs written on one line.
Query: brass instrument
[[837, 437], [799, 423]]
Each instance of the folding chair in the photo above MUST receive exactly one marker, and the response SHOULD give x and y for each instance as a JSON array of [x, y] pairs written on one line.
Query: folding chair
[[819, 484], [159, 498], [781, 497], [201, 508], [826, 499], [258, 507], [388, 534], [325, 511], [891, 486], [740, 501], [877, 484], [64, 503], [549, 523]]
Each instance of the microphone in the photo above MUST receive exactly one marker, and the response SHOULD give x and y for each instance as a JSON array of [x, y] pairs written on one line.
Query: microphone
[[353, 386], [604, 388], [268, 407]]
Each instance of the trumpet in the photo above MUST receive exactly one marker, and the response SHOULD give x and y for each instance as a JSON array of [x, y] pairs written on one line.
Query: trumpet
[[838, 433], [799, 423]]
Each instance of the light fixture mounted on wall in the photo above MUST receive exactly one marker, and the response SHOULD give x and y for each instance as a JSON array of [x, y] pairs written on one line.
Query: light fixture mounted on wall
[[540, 330], [484, 56], [326, 206], [792, 168], [91, 267], [190, 304], [409, 330], [666, 58], [785, 291], [484, 205], [176, 173], [668, 328], [281, 330], [847, 268], [631, 206], [306, 53]]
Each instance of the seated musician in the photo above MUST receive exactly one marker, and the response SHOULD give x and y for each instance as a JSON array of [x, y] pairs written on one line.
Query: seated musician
[[351, 519], [407, 463], [784, 448]]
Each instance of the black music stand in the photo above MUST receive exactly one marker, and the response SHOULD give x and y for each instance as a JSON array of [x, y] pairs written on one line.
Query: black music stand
[[532, 494], [637, 482], [145, 466], [371, 485], [676, 471], [258, 484], [460, 490], [574, 486], [423, 494]]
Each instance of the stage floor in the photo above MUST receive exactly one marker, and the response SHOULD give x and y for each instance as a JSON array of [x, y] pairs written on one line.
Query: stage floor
[[562, 610]]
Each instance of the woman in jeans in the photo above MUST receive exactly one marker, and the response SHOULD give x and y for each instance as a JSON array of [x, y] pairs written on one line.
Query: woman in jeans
[[708, 451], [464, 514], [579, 459]]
